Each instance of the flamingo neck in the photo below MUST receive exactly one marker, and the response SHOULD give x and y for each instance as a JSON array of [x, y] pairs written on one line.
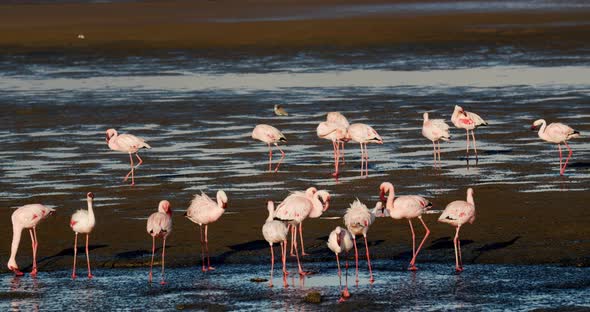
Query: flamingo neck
[[470, 198], [271, 212], [16, 235], [542, 129], [90, 211], [317, 208], [390, 197]]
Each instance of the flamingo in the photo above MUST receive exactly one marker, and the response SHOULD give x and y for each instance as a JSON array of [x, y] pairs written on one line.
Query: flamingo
[[280, 111], [468, 121], [358, 219], [270, 135], [337, 118], [83, 221], [340, 240], [127, 143], [406, 207], [202, 211], [556, 133], [275, 231], [435, 130], [456, 214], [335, 131], [298, 206], [364, 134], [159, 224], [26, 217]]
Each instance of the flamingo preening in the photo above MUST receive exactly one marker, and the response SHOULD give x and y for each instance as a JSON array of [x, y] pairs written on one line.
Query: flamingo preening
[[358, 218], [275, 231], [335, 129], [456, 214], [83, 222], [159, 224], [557, 133], [270, 135], [339, 241], [468, 121], [127, 143]]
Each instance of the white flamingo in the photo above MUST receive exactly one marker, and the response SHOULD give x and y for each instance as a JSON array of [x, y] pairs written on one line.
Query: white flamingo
[[468, 121], [337, 132], [456, 214], [202, 211], [26, 217], [358, 219], [159, 224], [556, 133], [270, 135], [435, 130], [364, 134], [127, 143], [83, 221], [339, 241], [275, 231]]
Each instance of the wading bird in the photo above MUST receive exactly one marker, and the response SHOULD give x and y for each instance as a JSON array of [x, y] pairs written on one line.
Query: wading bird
[[275, 231], [435, 130], [83, 221], [364, 134], [159, 224], [556, 133], [456, 214], [280, 111], [26, 217], [358, 219], [339, 241], [468, 121], [202, 211], [335, 130], [127, 143], [270, 135]]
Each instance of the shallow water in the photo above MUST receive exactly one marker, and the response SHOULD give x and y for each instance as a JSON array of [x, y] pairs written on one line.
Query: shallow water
[[434, 288]]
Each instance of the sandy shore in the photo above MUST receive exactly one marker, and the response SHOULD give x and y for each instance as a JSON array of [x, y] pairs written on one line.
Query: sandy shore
[[268, 24]]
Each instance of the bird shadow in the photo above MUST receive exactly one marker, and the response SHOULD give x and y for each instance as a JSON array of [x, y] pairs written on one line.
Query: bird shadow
[[494, 246], [579, 164], [447, 242], [65, 252]]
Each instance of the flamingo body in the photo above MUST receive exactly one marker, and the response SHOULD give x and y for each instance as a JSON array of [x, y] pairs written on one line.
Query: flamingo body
[[357, 219], [435, 130], [557, 133], [82, 222], [270, 135], [126, 143], [159, 224], [456, 214], [335, 129], [364, 134], [340, 240], [275, 231], [468, 121]]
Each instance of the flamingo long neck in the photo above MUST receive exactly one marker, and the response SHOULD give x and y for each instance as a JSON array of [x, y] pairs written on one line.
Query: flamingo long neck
[[271, 211], [542, 129], [390, 197], [91, 218], [219, 200], [317, 207], [470, 198], [16, 235]]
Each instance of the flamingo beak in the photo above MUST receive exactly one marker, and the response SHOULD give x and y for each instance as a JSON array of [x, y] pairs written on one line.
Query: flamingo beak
[[108, 138], [533, 127], [224, 205]]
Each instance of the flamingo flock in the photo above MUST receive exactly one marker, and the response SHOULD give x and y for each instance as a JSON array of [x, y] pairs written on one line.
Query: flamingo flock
[[292, 211]]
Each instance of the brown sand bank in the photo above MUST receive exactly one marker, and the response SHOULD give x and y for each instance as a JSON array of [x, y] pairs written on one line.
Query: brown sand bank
[[260, 23]]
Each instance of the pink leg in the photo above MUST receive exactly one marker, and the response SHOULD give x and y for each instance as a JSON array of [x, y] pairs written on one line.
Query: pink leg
[[152, 262], [34, 245], [301, 272], [272, 264], [162, 282], [474, 146], [282, 157], [131, 172], [343, 160], [356, 259], [560, 160], [362, 160], [439, 164], [413, 262], [568, 156], [434, 153], [292, 239], [209, 267], [369, 261], [284, 256], [202, 250], [366, 160], [75, 255], [459, 245], [412, 266], [458, 266], [336, 146], [140, 160], [346, 294], [467, 151], [88, 258], [269, 158], [301, 238], [339, 280]]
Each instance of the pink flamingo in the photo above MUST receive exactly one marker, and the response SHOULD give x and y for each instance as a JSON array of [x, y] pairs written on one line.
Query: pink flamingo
[[456, 214], [202, 211], [340, 240], [337, 133], [468, 121], [556, 133], [275, 231], [127, 143], [298, 206], [159, 224], [83, 221], [270, 135], [364, 134], [337, 118], [358, 219], [26, 217], [435, 130], [408, 207]]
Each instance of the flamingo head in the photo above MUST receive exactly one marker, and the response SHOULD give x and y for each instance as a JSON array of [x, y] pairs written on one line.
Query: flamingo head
[[536, 124], [425, 116], [459, 110], [324, 198], [111, 133], [90, 195], [164, 206], [338, 230], [271, 206], [222, 199]]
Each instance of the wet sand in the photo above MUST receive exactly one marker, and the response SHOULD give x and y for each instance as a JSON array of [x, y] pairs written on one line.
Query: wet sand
[[164, 25]]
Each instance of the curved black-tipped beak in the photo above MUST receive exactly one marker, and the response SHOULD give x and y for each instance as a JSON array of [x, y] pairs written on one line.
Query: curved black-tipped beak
[[533, 127]]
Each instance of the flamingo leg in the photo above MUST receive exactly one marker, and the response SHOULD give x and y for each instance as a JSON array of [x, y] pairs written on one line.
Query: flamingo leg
[[458, 266], [284, 256], [460, 258], [301, 272], [474, 146], [467, 151], [272, 264], [343, 160], [568, 156], [439, 163], [339, 273], [560, 159], [366, 160], [336, 146], [209, 267], [369, 260], [152, 262], [362, 159], [75, 255], [202, 250], [301, 238], [292, 240], [413, 262], [140, 160], [346, 293], [282, 157], [88, 257], [412, 266], [356, 259], [131, 172], [434, 153], [34, 244], [269, 158], [162, 282]]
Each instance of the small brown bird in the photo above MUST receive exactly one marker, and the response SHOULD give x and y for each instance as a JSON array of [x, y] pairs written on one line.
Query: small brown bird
[[280, 111]]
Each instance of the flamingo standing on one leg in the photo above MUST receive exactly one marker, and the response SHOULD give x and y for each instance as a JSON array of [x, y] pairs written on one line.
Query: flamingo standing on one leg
[[298, 206], [83, 221], [556, 133], [364, 134], [468, 121], [270, 135], [275, 231], [340, 240], [456, 214], [336, 132], [26, 217], [127, 143], [406, 207], [358, 219], [435, 130], [202, 211], [159, 224]]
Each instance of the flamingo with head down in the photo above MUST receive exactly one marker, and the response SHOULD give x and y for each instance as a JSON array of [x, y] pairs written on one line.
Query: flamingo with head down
[[339, 241], [468, 121], [335, 130]]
